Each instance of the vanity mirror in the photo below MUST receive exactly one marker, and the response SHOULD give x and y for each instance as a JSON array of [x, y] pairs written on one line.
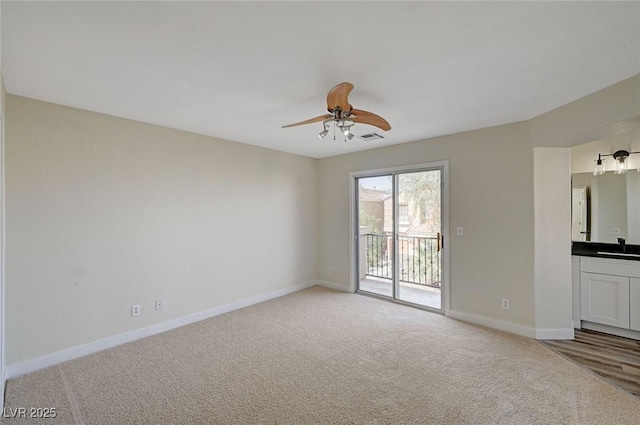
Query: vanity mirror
[[606, 207], [606, 203]]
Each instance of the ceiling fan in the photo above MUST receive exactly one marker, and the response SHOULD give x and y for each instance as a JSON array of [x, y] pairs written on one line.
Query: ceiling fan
[[342, 114]]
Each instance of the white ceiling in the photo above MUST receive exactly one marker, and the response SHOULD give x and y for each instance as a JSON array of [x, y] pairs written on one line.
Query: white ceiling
[[241, 70]]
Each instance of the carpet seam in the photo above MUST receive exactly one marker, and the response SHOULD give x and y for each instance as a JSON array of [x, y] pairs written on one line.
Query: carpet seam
[[73, 401]]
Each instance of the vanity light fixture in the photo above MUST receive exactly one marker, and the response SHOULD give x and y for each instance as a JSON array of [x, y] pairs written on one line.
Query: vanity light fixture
[[621, 161], [599, 170], [622, 165]]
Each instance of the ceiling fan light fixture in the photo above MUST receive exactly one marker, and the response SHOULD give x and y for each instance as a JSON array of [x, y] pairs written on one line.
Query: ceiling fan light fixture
[[345, 127], [350, 136], [323, 133]]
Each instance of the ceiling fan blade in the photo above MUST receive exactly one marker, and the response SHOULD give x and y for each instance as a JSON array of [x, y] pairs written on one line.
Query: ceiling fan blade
[[309, 121], [339, 96], [364, 117]]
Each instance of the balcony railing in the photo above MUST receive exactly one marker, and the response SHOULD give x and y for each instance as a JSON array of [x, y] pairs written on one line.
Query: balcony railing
[[419, 258]]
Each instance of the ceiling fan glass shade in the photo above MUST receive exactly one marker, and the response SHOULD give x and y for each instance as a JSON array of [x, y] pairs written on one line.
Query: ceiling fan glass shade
[[345, 126], [365, 117]]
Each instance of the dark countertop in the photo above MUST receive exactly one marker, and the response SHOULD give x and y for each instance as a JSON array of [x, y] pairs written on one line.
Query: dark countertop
[[590, 249]]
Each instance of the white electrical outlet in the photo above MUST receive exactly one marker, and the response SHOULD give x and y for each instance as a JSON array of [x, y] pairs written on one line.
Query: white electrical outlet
[[615, 230], [505, 303], [159, 305], [135, 310], [460, 231], [330, 270]]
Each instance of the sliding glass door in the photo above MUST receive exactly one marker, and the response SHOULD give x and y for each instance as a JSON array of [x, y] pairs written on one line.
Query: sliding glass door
[[399, 236], [375, 235]]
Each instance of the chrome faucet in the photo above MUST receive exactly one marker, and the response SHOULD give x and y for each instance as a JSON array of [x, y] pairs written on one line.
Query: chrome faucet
[[622, 242]]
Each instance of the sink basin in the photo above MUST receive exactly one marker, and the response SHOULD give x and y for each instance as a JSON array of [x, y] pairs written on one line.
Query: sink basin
[[623, 254]]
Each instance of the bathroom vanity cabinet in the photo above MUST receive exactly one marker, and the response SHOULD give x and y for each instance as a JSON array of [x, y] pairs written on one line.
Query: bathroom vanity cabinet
[[609, 293]]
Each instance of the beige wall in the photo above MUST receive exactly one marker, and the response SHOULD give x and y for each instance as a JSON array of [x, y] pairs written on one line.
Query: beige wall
[[607, 112], [491, 175], [552, 259], [105, 212]]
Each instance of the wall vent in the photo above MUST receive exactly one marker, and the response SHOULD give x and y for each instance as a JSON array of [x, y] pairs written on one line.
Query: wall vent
[[371, 136]]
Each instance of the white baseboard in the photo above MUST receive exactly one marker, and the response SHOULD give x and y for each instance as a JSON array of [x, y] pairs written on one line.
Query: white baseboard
[[333, 285], [4, 387], [500, 325], [627, 333], [42, 362], [561, 333], [513, 328]]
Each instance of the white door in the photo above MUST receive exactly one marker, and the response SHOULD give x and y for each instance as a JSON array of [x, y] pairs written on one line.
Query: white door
[[579, 230]]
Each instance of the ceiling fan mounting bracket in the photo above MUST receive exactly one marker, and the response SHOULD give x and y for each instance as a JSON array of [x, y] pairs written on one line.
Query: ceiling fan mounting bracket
[[340, 114]]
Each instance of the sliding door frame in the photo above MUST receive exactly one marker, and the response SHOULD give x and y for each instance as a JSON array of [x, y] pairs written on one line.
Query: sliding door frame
[[353, 220]]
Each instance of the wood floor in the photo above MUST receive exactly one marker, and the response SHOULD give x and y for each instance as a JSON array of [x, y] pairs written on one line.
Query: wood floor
[[614, 358]]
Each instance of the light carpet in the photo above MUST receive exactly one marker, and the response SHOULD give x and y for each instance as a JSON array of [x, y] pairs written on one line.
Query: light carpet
[[324, 357]]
